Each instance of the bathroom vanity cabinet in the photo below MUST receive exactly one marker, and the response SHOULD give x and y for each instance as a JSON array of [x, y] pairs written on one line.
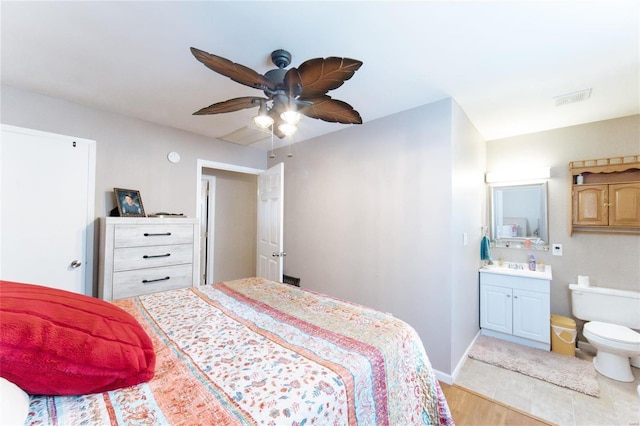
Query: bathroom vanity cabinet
[[515, 305], [605, 195]]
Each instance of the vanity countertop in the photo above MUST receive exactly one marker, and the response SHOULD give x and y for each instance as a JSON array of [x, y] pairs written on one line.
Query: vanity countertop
[[518, 270]]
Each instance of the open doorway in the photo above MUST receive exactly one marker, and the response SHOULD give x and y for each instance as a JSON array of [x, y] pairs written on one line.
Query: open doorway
[[227, 209]]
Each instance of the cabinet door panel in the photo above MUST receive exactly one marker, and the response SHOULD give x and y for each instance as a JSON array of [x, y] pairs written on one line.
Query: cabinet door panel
[[496, 308], [625, 205], [590, 205], [531, 315]]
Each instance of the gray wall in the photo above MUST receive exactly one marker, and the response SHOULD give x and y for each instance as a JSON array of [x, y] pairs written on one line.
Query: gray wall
[[611, 260], [130, 153], [236, 210], [375, 214], [467, 212]]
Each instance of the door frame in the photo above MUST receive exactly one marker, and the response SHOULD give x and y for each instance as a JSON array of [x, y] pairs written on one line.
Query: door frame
[[210, 224], [89, 260], [200, 166]]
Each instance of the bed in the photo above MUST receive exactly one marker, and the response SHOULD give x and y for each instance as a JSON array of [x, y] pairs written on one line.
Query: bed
[[253, 351]]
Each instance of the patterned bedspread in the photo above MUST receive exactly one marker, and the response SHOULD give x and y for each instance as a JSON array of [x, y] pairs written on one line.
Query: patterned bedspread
[[253, 351]]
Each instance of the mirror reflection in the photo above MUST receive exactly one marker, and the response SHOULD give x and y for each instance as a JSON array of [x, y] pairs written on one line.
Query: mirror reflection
[[518, 213]]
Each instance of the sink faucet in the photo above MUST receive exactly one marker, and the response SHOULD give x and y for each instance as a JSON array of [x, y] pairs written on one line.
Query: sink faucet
[[515, 266]]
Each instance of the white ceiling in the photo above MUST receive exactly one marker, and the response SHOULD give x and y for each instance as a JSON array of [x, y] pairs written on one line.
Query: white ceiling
[[502, 61]]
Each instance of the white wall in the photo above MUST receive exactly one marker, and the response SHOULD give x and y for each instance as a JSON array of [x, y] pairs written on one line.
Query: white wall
[[369, 218], [611, 260]]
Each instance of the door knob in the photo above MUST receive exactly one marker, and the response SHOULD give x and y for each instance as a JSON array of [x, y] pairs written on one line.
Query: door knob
[[75, 264]]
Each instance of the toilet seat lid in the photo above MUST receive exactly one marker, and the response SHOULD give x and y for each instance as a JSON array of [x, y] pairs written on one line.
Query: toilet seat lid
[[617, 333]]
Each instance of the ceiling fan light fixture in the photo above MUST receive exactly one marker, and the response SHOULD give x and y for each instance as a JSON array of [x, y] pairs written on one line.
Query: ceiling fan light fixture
[[290, 117], [286, 90], [263, 121], [288, 129]]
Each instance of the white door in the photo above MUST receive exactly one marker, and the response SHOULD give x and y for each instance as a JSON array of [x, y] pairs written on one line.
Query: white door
[[270, 223], [47, 193]]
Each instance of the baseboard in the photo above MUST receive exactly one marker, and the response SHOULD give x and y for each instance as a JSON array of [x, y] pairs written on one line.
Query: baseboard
[[450, 378], [442, 377], [586, 346]]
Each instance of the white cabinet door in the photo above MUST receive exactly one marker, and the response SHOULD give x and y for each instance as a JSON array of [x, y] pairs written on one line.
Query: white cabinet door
[[531, 315], [496, 308]]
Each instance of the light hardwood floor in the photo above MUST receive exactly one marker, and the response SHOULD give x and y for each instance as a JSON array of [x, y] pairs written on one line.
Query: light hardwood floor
[[471, 408]]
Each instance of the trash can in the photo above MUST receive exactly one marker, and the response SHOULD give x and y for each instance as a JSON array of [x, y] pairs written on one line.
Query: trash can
[[563, 335]]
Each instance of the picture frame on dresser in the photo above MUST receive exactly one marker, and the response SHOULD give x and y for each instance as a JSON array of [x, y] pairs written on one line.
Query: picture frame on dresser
[[129, 202]]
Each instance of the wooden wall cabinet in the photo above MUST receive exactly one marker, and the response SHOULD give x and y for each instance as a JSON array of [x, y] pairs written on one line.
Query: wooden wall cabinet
[[608, 197]]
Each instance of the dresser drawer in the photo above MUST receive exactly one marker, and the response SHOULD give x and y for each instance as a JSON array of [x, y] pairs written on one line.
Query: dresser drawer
[[145, 281], [152, 235], [127, 258]]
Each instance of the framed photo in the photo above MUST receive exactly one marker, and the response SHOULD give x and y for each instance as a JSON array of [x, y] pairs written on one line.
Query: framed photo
[[129, 202]]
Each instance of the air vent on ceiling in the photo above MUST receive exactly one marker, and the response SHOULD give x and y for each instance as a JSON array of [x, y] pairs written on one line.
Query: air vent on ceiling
[[246, 135], [579, 96]]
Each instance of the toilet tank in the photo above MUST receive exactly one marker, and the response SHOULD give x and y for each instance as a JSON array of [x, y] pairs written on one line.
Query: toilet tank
[[603, 304]]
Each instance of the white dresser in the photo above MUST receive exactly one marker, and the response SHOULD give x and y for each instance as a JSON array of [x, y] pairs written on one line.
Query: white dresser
[[146, 255]]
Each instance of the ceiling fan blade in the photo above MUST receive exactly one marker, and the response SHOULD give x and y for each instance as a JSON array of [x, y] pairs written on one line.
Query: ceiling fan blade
[[293, 82], [331, 110], [230, 105], [235, 72], [320, 75]]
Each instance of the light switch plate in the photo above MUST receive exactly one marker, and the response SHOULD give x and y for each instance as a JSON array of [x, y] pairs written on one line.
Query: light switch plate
[[556, 249]]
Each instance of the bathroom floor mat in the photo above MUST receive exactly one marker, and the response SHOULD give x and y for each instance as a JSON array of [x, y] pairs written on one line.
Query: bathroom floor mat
[[561, 370]]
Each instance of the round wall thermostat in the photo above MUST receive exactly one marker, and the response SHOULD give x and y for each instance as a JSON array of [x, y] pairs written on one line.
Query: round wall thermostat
[[174, 157]]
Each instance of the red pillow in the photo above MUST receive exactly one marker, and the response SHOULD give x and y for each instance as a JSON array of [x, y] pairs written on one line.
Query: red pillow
[[54, 342]]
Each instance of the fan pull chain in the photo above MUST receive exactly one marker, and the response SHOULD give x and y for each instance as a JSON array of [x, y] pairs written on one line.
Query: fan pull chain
[[272, 155], [290, 154]]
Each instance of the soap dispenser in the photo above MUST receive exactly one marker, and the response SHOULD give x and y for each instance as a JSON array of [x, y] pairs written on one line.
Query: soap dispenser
[[532, 263]]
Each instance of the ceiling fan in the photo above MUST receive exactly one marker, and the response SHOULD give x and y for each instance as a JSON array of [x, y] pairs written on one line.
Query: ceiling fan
[[289, 93]]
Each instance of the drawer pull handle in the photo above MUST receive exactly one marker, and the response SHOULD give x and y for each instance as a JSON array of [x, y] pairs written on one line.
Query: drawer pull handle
[[151, 256], [165, 234], [153, 281]]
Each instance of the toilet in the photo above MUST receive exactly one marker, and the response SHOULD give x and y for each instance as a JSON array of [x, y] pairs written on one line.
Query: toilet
[[612, 316]]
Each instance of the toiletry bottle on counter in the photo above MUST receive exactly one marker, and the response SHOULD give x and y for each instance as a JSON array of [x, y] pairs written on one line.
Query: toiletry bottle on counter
[[532, 263]]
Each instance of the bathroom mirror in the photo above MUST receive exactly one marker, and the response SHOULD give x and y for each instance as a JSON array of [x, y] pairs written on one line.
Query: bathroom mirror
[[518, 213]]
